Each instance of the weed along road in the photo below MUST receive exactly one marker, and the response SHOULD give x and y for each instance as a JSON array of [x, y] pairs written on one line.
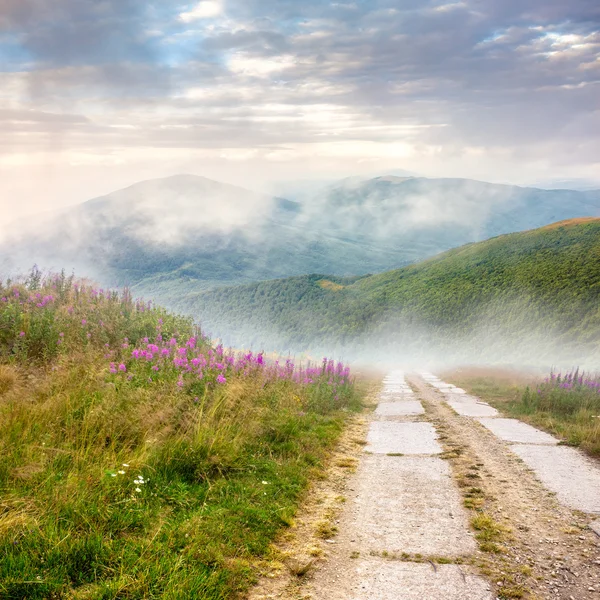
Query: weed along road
[[451, 501]]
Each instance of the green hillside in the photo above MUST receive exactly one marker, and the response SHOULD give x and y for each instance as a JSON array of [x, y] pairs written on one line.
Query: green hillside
[[536, 291], [137, 459]]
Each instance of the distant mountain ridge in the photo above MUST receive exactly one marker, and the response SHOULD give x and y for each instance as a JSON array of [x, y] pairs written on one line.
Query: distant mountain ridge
[[176, 235]]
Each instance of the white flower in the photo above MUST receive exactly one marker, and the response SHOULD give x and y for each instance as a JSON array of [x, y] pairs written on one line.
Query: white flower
[[265, 483], [138, 490], [113, 474], [125, 465], [121, 472]]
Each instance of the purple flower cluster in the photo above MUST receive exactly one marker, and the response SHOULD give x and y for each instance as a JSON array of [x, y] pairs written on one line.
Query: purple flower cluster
[[573, 380], [44, 316], [573, 393], [191, 361], [33, 300]]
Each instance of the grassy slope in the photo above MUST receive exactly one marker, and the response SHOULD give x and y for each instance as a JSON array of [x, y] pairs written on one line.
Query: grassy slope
[[222, 465], [549, 275]]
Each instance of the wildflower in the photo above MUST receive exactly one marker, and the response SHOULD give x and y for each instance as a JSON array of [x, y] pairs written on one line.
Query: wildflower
[[221, 378], [122, 368], [138, 490], [125, 465], [22, 334], [265, 482], [121, 472], [83, 322]]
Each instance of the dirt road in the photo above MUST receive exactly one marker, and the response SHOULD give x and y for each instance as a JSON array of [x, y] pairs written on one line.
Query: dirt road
[[446, 505]]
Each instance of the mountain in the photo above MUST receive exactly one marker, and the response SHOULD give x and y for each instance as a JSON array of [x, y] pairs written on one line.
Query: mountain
[[177, 235], [418, 217], [532, 296]]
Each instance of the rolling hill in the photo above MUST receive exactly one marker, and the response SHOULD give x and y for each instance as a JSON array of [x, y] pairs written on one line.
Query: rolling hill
[[532, 296], [178, 235]]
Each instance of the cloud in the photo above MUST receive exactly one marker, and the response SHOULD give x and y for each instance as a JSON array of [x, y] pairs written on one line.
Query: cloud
[[205, 9], [490, 88]]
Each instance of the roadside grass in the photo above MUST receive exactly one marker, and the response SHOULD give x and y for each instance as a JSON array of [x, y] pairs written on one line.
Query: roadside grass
[[570, 410], [121, 481]]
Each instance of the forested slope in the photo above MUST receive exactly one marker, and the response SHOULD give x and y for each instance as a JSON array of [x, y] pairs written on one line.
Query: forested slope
[[538, 289]]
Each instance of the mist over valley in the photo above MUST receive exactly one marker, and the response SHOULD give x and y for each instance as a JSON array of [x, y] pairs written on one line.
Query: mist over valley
[[187, 241]]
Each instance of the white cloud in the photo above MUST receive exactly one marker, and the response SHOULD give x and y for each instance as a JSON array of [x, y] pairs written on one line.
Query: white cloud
[[205, 9]]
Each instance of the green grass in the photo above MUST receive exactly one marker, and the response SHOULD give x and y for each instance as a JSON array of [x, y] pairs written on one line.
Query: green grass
[[140, 489]]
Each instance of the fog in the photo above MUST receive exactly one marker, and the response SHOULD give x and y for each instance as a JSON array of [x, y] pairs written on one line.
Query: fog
[[512, 333], [366, 224]]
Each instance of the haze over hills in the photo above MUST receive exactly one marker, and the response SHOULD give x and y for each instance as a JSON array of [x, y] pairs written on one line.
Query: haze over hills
[[171, 236], [531, 297]]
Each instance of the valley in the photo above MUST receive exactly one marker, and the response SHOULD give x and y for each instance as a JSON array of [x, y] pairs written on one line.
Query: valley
[[527, 298]]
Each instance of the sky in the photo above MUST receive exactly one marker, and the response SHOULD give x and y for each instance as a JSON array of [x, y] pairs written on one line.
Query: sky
[[98, 94]]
